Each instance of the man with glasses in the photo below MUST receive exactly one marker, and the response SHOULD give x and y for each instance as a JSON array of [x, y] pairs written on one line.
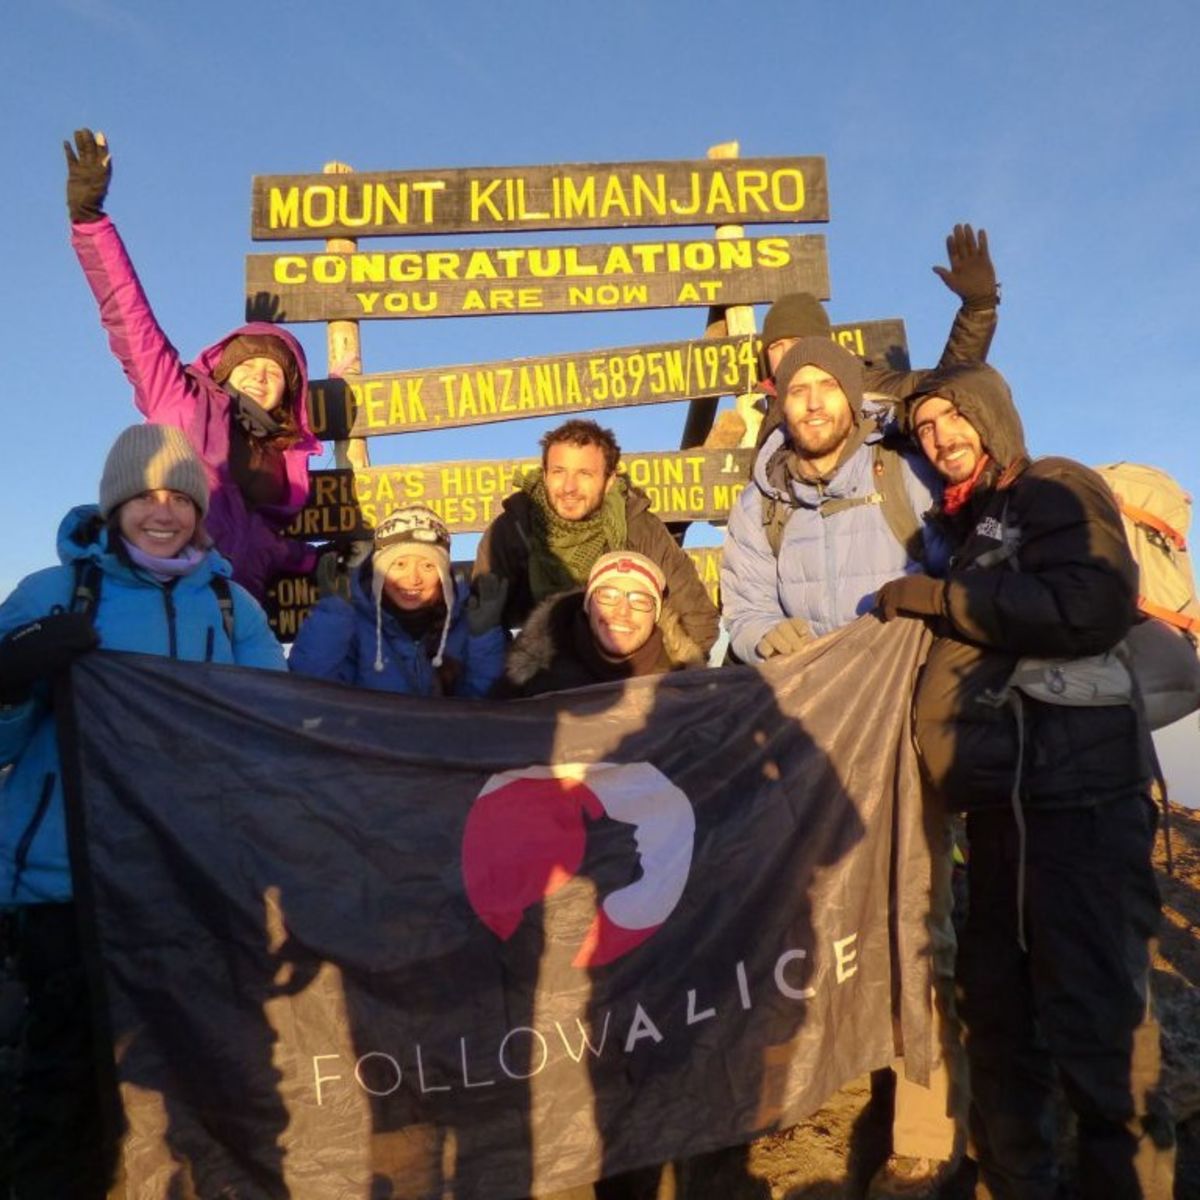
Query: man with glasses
[[569, 512], [616, 628]]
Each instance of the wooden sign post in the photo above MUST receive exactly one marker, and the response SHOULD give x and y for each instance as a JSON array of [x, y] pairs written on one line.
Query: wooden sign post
[[348, 281]]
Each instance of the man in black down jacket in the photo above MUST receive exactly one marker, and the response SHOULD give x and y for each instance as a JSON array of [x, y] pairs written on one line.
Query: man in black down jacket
[[1053, 966]]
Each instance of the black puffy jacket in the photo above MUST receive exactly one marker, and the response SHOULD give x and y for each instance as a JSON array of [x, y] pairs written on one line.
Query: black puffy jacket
[[1066, 588]]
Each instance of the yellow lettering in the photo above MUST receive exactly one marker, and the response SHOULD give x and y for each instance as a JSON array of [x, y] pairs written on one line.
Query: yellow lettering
[[719, 194], [370, 397], [364, 206], [389, 209], [480, 266], [283, 208], [650, 196], [481, 197], [579, 199], [523, 213], [736, 253], [617, 262], [427, 189], [290, 269], [787, 189], [442, 264], [614, 199], [317, 206], [751, 184], [773, 252]]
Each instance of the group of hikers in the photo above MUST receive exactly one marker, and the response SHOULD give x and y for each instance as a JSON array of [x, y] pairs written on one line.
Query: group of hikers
[[906, 495]]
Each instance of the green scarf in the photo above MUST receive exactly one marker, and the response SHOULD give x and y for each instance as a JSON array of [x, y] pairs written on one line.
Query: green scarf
[[561, 553]]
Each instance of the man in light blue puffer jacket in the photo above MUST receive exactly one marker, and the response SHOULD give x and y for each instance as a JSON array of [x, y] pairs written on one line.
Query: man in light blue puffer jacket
[[834, 511], [821, 479]]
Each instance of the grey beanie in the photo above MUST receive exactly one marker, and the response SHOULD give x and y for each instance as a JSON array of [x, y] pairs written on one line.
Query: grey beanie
[[821, 352], [147, 457], [796, 315]]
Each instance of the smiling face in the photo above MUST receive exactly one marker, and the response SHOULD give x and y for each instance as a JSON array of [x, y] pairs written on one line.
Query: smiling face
[[158, 522], [948, 439], [413, 582], [261, 379], [621, 617], [576, 480], [817, 413]]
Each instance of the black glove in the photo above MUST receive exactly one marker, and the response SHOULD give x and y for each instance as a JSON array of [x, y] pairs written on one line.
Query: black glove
[[331, 580], [40, 650], [971, 276], [485, 606], [89, 168], [911, 596], [336, 564], [787, 637]]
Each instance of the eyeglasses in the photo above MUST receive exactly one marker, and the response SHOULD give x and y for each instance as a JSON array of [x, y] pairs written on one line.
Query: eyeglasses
[[610, 597]]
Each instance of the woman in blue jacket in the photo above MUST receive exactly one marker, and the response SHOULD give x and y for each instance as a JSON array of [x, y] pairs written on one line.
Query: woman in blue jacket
[[408, 627], [137, 573]]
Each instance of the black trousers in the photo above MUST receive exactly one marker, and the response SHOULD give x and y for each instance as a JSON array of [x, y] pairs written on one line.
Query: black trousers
[[1075, 1001], [60, 1147]]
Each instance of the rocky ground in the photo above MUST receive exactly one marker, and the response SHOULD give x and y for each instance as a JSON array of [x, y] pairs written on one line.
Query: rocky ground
[[809, 1162], [830, 1155]]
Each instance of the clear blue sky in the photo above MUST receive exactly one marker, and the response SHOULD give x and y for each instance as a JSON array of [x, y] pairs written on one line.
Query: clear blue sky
[[1070, 130]]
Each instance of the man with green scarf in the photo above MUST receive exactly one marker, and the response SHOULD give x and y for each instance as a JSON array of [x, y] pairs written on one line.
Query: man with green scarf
[[572, 510]]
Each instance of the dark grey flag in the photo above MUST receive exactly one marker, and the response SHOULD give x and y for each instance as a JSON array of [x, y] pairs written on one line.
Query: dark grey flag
[[357, 945]]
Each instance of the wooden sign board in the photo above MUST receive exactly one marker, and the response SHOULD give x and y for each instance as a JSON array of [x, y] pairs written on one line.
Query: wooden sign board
[[707, 560], [569, 196], [561, 384], [496, 281], [290, 598], [683, 485]]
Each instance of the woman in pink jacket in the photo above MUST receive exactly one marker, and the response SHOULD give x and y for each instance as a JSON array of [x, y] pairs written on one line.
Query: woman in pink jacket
[[242, 403]]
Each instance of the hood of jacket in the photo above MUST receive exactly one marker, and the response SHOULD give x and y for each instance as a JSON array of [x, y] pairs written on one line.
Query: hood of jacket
[[83, 535], [208, 358], [981, 394]]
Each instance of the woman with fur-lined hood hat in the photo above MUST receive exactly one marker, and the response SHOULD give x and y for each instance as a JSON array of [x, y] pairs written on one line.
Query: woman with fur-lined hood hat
[[243, 403], [614, 628]]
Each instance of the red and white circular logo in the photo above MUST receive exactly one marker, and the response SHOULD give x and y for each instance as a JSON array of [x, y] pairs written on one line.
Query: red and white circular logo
[[526, 834]]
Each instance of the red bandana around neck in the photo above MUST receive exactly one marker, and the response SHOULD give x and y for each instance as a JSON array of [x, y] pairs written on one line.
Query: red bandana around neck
[[957, 494]]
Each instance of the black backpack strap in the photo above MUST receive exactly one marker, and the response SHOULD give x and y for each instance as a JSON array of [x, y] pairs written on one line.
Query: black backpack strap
[[85, 596], [221, 589], [775, 514], [887, 469], [898, 511]]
